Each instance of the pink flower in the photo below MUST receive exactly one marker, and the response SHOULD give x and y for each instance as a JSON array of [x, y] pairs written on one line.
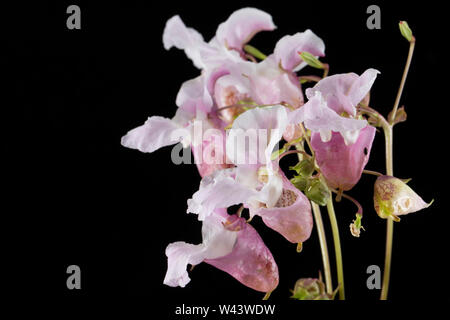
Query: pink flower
[[229, 244], [286, 53], [320, 118], [290, 216], [330, 99], [343, 92], [256, 182], [227, 45], [342, 164], [241, 26]]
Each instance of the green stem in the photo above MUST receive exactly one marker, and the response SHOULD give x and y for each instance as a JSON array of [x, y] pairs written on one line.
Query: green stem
[[388, 135], [412, 43], [337, 248], [323, 246]]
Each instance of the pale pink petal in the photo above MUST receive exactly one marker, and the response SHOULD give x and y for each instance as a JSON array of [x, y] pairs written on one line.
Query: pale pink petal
[[179, 255], [271, 85], [193, 96], [219, 190], [343, 92], [210, 155], [342, 164], [287, 49], [176, 34], [318, 117], [217, 242], [155, 133], [263, 127], [250, 262], [241, 26], [291, 215], [361, 87]]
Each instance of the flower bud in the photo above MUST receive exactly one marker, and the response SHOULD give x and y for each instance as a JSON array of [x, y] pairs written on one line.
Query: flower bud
[[392, 198], [311, 60], [405, 30]]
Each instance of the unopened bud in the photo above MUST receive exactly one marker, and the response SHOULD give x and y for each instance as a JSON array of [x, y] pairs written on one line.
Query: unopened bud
[[406, 30], [311, 60], [393, 197]]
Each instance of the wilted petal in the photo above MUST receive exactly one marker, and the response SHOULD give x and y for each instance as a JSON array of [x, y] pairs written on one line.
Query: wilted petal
[[241, 26], [343, 92], [291, 215], [392, 198], [342, 164], [250, 262], [155, 133], [287, 49]]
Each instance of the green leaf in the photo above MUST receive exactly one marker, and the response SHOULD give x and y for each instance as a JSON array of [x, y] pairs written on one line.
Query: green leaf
[[304, 168], [318, 192]]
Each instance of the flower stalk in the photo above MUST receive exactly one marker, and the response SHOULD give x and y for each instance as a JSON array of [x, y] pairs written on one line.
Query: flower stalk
[[337, 248], [323, 246]]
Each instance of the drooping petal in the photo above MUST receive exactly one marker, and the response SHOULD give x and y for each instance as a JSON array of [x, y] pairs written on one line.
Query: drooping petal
[[343, 92], [241, 26], [155, 133], [220, 190], [290, 216], [342, 164], [287, 49], [250, 262]]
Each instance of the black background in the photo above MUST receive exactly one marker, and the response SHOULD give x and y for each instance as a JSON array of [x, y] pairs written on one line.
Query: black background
[[74, 195]]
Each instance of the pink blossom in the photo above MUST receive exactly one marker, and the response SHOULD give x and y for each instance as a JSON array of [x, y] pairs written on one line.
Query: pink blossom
[[290, 216], [287, 49], [229, 244], [250, 262], [342, 164], [343, 92]]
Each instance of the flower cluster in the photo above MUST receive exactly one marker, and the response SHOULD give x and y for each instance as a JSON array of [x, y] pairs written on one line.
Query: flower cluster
[[243, 96]]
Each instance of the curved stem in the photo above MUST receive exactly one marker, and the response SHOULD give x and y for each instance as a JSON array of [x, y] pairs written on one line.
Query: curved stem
[[323, 246], [337, 248]]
